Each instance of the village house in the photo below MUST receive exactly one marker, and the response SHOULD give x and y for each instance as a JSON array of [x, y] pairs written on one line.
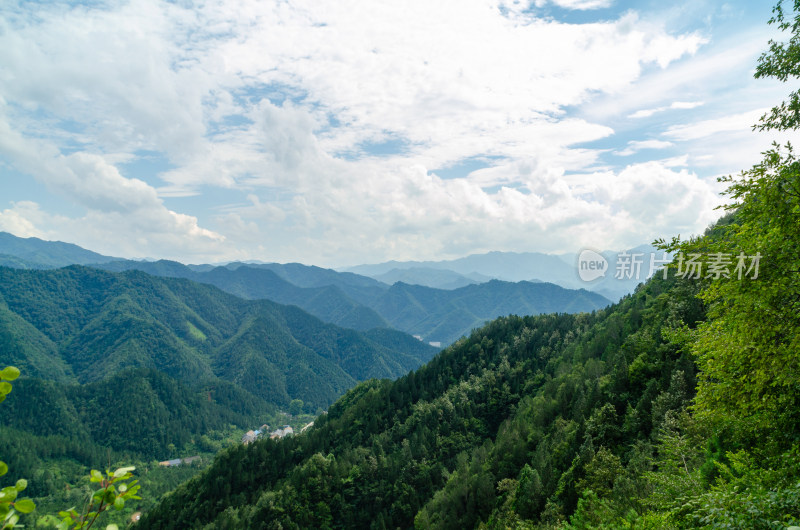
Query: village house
[[286, 430]]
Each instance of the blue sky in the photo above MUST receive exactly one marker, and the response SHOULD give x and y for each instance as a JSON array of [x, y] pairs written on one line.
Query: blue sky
[[338, 133]]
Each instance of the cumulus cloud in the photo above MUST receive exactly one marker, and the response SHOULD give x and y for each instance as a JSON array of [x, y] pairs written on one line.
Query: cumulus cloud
[[287, 106], [408, 212], [520, 6], [22, 219], [635, 146], [117, 208]]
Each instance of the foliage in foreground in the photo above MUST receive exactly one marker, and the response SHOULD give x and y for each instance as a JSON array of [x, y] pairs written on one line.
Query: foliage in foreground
[[115, 488]]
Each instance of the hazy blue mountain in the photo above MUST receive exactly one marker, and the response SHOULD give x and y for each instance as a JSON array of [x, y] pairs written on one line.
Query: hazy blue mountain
[[37, 253], [362, 303], [560, 269], [437, 315], [440, 315], [506, 266], [430, 277], [313, 276], [7, 260]]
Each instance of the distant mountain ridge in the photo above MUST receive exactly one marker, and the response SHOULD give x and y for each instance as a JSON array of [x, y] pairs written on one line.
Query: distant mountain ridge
[[443, 315], [350, 300], [519, 266], [328, 303], [37, 253], [428, 277], [436, 315]]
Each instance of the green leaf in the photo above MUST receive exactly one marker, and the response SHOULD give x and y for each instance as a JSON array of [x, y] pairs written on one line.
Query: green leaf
[[5, 387], [3, 468], [109, 497], [24, 506], [112, 526], [8, 494], [9, 373], [21, 484], [121, 472], [96, 476], [119, 503]]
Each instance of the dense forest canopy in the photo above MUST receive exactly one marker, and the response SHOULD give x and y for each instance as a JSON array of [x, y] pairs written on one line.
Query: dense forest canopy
[[676, 408]]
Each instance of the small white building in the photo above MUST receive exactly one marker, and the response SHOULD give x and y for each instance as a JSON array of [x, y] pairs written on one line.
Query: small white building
[[249, 437], [286, 430]]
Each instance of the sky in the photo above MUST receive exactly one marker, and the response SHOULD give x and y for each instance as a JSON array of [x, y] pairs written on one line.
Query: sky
[[339, 133]]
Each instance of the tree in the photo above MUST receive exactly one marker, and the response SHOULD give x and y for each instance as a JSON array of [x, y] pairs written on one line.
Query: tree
[[296, 407], [10, 505], [116, 487], [782, 62], [747, 351]]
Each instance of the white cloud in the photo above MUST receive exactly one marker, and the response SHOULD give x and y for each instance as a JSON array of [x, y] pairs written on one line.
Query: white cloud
[[88, 88], [22, 219], [583, 4], [120, 212], [635, 146], [520, 6], [407, 212], [646, 113], [736, 122]]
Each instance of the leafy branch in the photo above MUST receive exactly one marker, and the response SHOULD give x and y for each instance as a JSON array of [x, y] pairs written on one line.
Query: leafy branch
[[116, 487]]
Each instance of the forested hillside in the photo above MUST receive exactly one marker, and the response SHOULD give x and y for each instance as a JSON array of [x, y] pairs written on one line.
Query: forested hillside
[[328, 302], [34, 253], [80, 325], [678, 407], [342, 298], [550, 391], [132, 368]]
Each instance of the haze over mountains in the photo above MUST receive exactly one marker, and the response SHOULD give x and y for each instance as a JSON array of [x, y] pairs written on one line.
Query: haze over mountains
[[350, 300], [513, 267]]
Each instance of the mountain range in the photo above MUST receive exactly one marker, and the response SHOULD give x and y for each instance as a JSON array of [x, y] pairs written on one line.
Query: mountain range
[[440, 316], [561, 269], [435, 315]]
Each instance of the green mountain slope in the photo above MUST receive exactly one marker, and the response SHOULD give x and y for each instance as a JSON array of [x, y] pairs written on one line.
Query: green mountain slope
[[325, 301], [80, 324], [446, 315], [548, 390], [35, 253], [353, 301]]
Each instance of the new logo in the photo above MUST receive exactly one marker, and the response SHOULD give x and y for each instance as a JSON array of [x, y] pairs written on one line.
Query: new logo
[[591, 265]]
